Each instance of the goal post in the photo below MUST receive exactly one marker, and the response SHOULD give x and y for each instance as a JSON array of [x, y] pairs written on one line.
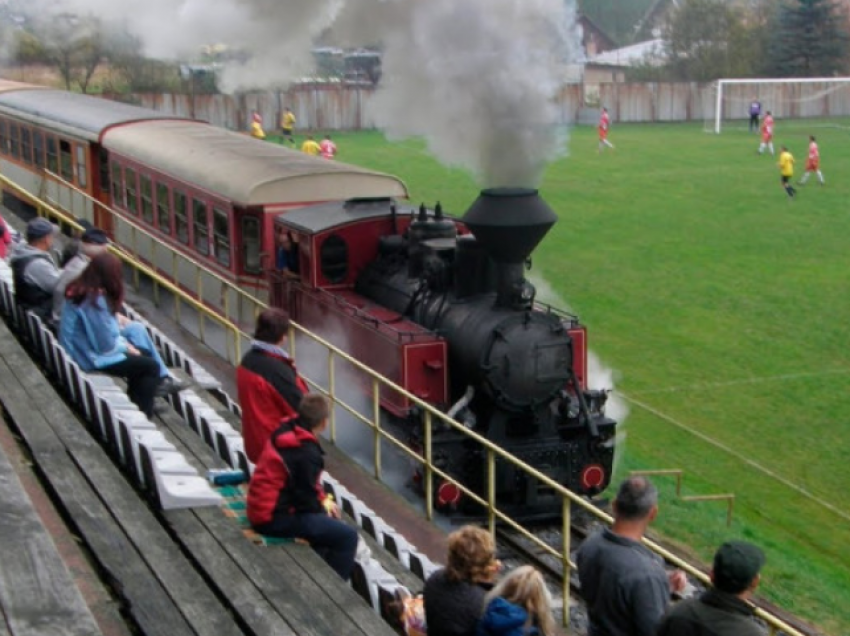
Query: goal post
[[785, 97]]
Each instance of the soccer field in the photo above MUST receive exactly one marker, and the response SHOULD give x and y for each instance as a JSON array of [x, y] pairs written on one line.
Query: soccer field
[[722, 308]]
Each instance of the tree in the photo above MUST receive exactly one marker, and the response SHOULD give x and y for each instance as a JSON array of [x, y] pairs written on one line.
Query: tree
[[74, 46], [137, 73], [707, 39], [810, 39], [29, 49]]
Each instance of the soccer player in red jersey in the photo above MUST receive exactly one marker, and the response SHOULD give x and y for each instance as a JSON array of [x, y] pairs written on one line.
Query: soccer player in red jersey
[[766, 134], [604, 124], [812, 162]]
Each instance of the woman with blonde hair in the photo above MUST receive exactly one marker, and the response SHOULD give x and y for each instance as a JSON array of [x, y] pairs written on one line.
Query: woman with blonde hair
[[519, 605], [454, 595]]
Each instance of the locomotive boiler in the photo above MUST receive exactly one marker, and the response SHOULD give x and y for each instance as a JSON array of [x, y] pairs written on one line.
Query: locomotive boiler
[[516, 368]]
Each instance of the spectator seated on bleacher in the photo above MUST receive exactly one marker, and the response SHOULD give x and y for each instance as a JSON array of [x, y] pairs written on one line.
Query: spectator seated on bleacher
[[286, 497], [35, 273], [454, 595], [92, 242], [91, 334]]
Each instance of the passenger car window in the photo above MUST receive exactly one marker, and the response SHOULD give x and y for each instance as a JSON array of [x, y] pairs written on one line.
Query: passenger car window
[[146, 191], [181, 221], [221, 236], [66, 161], [202, 232], [131, 191], [163, 208]]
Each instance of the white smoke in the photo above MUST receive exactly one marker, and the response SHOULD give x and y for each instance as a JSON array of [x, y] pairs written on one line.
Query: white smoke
[[476, 78], [278, 36]]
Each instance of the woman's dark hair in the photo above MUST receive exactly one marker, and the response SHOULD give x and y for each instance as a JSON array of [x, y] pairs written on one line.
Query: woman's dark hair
[[104, 275], [272, 325]]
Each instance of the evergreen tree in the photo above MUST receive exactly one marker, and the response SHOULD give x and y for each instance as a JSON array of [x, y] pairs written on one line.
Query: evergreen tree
[[810, 40]]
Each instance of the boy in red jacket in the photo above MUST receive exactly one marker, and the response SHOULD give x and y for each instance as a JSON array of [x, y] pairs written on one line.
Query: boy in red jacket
[[285, 496]]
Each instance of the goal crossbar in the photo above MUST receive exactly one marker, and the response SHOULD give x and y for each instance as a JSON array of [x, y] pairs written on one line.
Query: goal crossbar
[[718, 107]]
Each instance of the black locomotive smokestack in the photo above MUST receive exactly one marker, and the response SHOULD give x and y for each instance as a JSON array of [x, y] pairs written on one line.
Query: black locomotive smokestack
[[509, 223]]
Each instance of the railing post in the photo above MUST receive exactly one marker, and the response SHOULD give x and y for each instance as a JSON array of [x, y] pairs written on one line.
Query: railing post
[[332, 394], [225, 301], [135, 235], [429, 474], [376, 421], [491, 490], [176, 282], [565, 555], [201, 318]]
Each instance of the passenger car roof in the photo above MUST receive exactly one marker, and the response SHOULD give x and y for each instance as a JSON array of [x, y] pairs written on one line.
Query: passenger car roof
[[242, 169], [78, 115]]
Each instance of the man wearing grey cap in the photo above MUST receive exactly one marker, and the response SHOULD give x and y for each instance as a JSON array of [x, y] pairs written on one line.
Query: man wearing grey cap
[[34, 271], [725, 609]]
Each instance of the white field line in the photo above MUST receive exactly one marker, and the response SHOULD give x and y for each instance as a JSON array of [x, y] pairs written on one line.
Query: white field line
[[805, 493], [742, 381]]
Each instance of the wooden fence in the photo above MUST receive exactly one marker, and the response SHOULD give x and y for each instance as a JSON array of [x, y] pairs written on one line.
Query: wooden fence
[[346, 106]]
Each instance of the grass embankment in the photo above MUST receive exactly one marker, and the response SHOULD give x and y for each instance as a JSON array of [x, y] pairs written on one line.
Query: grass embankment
[[724, 309]]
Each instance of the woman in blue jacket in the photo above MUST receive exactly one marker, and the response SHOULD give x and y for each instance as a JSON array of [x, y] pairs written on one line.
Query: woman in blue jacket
[[90, 333], [519, 605]]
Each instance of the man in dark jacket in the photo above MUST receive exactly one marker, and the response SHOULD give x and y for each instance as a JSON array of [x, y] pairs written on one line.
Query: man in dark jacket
[[267, 381], [724, 610], [625, 585], [34, 271], [285, 496]]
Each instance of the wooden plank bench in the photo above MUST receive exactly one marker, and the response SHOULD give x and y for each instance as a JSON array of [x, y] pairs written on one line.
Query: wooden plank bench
[[288, 581], [38, 595], [162, 592]]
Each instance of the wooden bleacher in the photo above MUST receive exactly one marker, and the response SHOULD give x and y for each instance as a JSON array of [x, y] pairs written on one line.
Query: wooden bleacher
[[37, 592], [182, 571]]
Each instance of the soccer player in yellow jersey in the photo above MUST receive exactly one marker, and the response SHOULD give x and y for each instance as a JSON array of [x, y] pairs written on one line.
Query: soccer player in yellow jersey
[[786, 170], [287, 124], [311, 147]]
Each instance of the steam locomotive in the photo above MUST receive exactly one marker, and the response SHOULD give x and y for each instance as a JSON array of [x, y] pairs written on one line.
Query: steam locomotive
[[442, 307]]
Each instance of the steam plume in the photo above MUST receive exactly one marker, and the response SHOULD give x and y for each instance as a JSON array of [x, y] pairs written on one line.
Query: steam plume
[[476, 78]]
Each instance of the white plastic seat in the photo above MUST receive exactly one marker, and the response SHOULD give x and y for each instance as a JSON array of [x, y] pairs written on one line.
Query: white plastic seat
[[175, 491]]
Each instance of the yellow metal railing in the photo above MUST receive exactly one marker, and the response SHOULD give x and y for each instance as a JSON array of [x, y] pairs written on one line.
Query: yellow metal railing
[[431, 472]]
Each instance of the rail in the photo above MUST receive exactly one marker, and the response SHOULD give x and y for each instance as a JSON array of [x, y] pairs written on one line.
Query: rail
[[373, 422]]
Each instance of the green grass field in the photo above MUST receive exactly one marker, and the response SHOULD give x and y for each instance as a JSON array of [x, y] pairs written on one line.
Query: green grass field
[[723, 308]]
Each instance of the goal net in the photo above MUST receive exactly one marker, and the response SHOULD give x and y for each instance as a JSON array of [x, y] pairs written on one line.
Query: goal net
[[727, 105]]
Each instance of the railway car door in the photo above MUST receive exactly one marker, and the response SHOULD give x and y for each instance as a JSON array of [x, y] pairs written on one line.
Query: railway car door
[[248, 242], [99, 162]]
